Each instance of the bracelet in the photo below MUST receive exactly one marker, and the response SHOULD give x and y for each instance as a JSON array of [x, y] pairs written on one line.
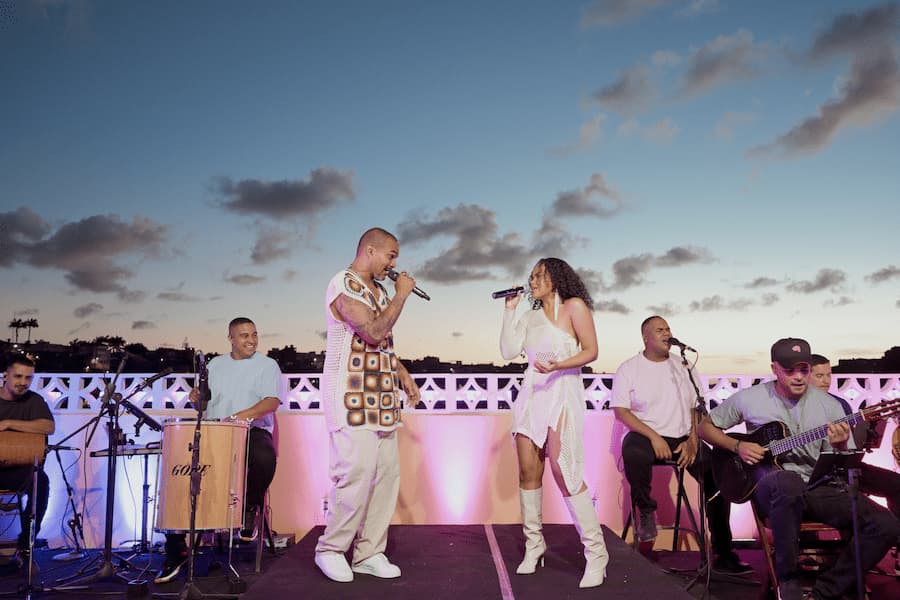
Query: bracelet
[[736, 446]]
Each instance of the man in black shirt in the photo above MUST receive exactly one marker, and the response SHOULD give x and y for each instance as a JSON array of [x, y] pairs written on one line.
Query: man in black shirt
[[24, 410]]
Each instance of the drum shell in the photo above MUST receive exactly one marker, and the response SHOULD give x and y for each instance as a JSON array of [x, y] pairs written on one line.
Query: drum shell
[[223, 466]]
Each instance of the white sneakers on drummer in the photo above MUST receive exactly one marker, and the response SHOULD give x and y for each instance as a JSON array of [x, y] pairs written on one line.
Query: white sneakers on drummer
[[379, 566], [334, 565]]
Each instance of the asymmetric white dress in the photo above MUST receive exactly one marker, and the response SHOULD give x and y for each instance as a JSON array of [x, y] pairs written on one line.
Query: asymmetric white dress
[[547, 399]]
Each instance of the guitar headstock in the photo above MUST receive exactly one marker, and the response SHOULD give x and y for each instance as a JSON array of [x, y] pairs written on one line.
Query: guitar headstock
[[882, 410]]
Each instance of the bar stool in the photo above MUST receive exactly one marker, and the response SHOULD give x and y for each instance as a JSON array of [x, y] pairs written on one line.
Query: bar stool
[[681, 495]]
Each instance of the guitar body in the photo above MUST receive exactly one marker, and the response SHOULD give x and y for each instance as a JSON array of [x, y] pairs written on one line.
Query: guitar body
[[737, 480]]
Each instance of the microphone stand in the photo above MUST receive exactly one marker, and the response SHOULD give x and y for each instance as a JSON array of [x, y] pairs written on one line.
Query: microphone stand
[[704, 571], [75, 522]]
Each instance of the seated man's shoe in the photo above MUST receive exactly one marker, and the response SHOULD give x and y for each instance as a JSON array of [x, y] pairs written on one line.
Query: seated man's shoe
[[171, 569], [379, 566], [646, 531], [248, 530], [790, 590], [334, 566], [731, 564]]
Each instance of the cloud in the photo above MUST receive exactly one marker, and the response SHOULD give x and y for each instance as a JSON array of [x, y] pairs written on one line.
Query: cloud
[[588, 134], [666, 309], [605, 13], [289, 274], [80, 328], [593, 281], [143, 325], [870, 92], [760, 282], [322, 334], [897, 303], [286, 199], [243, 279], [842, 301], [86, 310], [611, 306], [271, 244], [26, 312], [631, 92], [664, 130], [87, 250], [826, 279], [727, 123], [769, 299], [726, 58], [700, 7], [717, 303], [477, 246], [177, 297], [457, 334], [629, 271], [665, 58], [857, 32], [597, 199], [885, 274]]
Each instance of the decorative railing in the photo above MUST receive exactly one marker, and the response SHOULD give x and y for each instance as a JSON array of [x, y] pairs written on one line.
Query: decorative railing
[[441, 392]]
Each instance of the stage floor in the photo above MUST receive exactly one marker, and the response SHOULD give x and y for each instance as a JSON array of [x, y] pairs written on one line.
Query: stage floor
[[438, 561]]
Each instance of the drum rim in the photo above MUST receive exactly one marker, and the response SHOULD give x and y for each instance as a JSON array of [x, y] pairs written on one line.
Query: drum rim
[[230, 423]]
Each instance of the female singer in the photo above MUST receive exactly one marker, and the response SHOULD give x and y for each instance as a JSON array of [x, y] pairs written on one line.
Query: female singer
[[559, 338]]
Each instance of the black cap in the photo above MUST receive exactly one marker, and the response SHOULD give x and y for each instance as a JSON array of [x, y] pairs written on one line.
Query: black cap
[[787, 352]]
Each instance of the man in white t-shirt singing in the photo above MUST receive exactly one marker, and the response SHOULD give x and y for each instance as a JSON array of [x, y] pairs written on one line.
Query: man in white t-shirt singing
[[653, 397]]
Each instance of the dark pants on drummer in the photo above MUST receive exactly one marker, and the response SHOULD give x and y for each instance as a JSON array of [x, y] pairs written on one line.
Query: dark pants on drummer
[[261, 462], [19, 479], [639, 458]]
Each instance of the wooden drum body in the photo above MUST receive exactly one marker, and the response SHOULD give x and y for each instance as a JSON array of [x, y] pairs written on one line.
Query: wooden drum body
[[223, 466]]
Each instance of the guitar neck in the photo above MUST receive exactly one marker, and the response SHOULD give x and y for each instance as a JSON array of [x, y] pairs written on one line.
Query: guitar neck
[[801, 439]]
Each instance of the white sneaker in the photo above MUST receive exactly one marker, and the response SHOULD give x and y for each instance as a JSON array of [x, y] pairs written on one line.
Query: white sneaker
[[334, 565], [379, 566]]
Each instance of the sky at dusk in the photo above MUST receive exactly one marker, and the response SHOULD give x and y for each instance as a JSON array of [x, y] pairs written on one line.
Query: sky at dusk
[[733, 166]]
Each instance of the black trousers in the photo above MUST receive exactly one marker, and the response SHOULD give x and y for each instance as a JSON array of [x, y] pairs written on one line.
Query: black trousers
[[261, 463], [639, 458], [21, 480], [783, 498], [875, 481]]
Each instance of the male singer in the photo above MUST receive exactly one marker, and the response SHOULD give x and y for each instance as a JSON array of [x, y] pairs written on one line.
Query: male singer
[[653, 397], [24, 410], [361, 401]]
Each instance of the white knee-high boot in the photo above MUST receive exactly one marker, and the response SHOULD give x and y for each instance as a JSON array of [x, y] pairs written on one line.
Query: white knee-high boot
[[585, 519], [535, 546]]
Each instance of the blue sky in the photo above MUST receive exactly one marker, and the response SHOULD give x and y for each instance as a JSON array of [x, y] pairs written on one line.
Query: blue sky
[[166, 166]]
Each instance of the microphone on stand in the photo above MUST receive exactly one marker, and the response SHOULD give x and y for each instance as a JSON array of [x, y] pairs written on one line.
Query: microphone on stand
[[142, 417], [149, 381], [508, 292], [394, 275], [54, 447], [676, 342]]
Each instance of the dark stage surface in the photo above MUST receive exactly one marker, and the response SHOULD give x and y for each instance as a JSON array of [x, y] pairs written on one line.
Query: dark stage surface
[[440, 561]]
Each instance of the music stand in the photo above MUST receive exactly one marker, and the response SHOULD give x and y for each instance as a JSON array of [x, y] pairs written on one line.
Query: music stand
[[833, 466]]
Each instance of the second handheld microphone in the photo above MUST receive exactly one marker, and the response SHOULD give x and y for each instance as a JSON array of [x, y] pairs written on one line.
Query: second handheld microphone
[[508, 292]]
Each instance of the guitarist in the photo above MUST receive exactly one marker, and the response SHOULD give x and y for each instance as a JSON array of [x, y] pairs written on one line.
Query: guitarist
[[24, 410], [781, 495]]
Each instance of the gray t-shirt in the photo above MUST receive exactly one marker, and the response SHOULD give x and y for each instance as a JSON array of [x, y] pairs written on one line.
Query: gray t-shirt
[[760, 404]]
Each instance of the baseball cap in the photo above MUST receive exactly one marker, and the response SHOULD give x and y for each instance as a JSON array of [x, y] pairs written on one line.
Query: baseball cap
[[787, 352]]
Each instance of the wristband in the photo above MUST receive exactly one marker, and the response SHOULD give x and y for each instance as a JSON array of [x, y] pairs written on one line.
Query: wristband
[[736, 446]]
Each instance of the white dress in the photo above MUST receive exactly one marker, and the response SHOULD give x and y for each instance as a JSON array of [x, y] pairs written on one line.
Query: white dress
[[547, 400]]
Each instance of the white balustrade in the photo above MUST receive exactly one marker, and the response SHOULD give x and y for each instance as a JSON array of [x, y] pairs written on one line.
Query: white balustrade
[[441, 392]]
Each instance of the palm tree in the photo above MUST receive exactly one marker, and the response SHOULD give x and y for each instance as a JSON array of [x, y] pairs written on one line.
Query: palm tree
[[30, 324], [17, 324]]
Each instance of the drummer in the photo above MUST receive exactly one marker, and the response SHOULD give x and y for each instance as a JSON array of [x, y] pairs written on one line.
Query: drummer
[[244, 386]]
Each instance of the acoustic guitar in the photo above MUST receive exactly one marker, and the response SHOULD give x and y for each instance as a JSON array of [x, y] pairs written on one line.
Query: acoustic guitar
[[737, 480]]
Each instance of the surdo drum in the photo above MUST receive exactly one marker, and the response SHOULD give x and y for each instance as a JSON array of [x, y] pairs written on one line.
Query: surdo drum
[[223, 466]]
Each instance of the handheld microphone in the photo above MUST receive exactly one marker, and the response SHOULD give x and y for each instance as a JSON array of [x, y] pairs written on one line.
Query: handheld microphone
[[676, 342], [142, 417], [149, 381], [394, 275], [508, 292]]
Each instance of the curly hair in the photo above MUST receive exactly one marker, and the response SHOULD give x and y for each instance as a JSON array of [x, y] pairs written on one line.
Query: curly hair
[[565, 281]]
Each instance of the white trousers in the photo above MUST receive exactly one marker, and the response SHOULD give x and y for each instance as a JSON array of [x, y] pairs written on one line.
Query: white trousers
[[364, 467]]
